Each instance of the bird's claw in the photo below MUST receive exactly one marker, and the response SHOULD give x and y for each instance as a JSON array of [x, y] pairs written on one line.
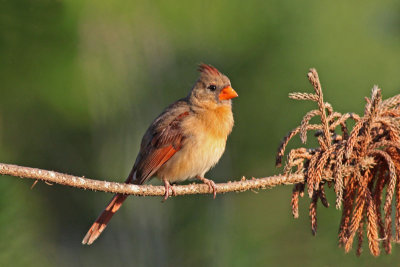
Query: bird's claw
[[167, 186], [210, 184], [166, 196], [173, 190]]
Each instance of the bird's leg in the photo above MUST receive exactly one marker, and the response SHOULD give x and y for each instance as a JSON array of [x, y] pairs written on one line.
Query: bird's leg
[[210, 184], [167, 186]]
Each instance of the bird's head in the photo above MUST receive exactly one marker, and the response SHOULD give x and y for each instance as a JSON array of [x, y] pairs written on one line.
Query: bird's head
[[212, 89]]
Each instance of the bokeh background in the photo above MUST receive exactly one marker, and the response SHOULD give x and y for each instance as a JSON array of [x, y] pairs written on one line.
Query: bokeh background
[[81, 80]]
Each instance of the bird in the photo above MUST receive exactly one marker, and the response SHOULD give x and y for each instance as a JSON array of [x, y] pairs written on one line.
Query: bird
[[184, 141]]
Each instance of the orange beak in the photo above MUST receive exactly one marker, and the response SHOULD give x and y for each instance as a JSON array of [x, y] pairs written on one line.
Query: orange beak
[[227, 93]]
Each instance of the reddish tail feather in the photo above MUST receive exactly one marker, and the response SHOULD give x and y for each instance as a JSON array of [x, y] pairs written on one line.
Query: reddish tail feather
[[101, 222]]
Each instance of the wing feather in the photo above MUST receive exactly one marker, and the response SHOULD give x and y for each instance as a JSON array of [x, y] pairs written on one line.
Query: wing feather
[[163, 145]]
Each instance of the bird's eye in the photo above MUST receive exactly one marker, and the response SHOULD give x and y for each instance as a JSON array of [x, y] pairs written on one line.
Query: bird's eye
[[212, 87]]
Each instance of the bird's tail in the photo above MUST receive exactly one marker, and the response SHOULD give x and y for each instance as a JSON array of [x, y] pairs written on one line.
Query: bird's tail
[[101, 222]]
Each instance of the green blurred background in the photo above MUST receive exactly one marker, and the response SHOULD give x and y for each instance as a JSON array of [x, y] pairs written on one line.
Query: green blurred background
[[81, 80]]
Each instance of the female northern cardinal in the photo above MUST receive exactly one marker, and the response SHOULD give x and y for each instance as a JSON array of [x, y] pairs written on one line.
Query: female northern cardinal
[[185, 141]]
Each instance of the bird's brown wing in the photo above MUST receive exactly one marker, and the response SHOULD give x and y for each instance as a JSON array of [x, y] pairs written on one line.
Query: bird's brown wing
[[162, 140], [163, 143]]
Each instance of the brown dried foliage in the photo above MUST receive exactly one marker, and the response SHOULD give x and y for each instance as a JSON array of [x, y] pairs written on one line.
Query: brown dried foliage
[[362, 163]]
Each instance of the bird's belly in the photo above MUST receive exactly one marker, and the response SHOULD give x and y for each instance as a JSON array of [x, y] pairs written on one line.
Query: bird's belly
[[196, 157]]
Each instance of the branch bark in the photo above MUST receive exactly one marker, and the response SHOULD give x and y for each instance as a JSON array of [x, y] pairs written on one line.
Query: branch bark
[[146, 190]]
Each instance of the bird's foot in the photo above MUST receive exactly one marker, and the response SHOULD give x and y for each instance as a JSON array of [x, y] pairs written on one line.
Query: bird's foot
[[173, 190], [210, 184], [167, 186]]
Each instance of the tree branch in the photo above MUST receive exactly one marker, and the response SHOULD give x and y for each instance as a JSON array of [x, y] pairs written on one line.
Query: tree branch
[[146, 190]]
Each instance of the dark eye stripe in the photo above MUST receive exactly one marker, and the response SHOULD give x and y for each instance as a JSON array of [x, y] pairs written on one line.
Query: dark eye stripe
[[212, 87]]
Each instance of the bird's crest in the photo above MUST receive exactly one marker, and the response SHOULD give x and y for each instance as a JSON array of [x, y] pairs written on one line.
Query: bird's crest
[[208, 69]]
